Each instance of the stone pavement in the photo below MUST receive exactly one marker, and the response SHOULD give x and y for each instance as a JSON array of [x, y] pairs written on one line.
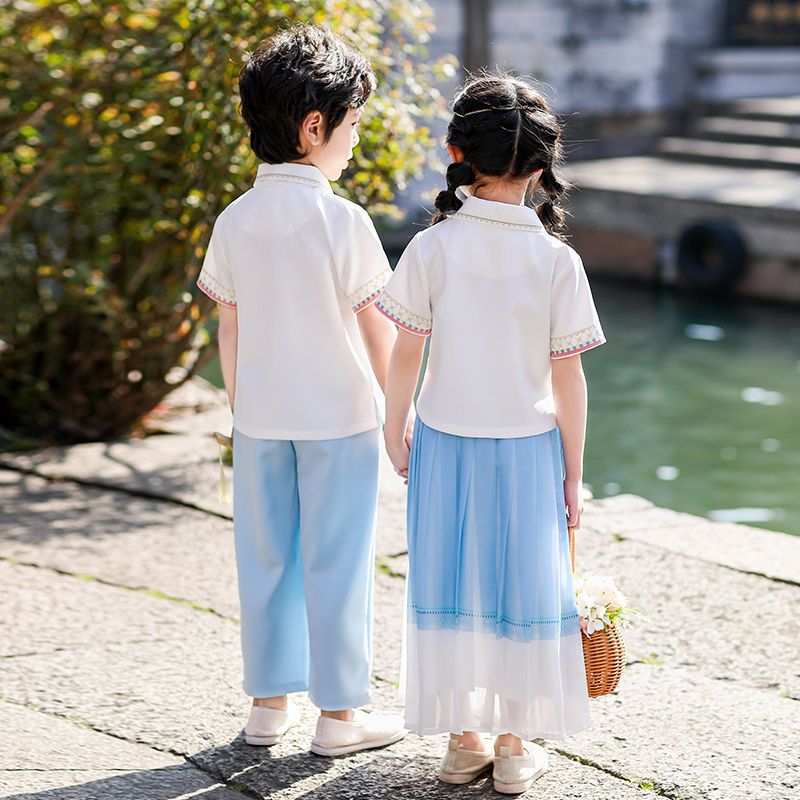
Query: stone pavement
[[119, 651]]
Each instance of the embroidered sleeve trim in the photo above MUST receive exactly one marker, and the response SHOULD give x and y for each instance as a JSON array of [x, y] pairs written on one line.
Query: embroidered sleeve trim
[[400, 315], [572, 343], [368, 293], [215, 290]]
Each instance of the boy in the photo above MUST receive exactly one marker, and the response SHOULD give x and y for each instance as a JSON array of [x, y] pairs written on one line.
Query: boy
[[290, 262]]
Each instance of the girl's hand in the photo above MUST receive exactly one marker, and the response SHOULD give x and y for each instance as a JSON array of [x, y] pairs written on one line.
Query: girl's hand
[[573, 499], [399, 453], [409, 432]]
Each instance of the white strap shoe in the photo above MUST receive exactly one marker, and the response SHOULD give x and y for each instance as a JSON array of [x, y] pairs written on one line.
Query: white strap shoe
[[267, 725], [337, 737], [462, 766], [515, 774]]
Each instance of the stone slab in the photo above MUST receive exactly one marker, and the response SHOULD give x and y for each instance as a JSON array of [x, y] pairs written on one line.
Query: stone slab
[[47, 758], [42, 612], [651, 177], [125, 540], [694, 736], [775, 555], [169, 466]]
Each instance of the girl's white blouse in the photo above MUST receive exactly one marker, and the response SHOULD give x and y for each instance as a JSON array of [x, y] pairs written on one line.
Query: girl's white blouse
[[500, 298], [296, 261]]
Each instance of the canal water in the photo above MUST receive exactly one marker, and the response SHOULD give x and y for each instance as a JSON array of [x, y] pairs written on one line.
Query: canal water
[[694, 403]]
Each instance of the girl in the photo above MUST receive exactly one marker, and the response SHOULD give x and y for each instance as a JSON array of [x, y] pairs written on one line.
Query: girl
[[493, 642]]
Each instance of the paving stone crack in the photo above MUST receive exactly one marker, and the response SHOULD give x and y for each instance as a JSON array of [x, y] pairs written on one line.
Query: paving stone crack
[[229, 783], [145, 494], [741, 570], [647, 784], [68, 769], [89, 726], [213, 774], [142, 590], [88, 648]]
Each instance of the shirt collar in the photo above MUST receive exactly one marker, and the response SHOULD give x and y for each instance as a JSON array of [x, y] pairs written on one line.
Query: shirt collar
[[306, 174], [494, 212]]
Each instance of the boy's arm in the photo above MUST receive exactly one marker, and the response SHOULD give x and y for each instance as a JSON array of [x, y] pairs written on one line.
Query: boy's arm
[[570, 395], [379, 335], [228, 337], [402, 380]]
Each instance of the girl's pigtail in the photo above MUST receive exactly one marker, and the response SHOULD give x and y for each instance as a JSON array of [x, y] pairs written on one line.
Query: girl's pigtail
[[552, 216], [458, 174]]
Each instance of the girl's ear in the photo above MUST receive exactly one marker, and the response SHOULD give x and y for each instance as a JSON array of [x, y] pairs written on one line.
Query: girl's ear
[[312, 129], [456, 154]]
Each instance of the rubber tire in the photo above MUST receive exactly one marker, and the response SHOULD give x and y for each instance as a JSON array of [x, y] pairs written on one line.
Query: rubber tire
[[712, 255]]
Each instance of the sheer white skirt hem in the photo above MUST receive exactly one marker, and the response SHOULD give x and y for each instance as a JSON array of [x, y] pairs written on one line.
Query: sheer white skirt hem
[[476, 681]]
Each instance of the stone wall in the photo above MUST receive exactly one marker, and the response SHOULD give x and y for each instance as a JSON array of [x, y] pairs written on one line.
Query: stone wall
[[606, 57], [598, 56], [621, 70]]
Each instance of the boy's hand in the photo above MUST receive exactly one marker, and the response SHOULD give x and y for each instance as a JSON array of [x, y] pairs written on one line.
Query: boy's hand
[[399, 453], [573, 499]]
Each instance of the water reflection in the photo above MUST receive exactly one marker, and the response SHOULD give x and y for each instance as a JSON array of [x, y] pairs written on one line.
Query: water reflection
[[694, 404]]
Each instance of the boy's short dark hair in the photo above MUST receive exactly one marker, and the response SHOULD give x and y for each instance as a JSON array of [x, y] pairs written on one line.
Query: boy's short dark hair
[[299, 70]]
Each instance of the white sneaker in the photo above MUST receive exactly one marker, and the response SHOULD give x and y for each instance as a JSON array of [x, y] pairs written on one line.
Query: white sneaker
[[462, 766], [267, 725], [515, 774], [337, 737]]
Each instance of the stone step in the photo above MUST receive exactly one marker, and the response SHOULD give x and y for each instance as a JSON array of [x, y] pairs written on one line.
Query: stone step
[[747, 131], [705, 151], [730, 73], [780, 109]]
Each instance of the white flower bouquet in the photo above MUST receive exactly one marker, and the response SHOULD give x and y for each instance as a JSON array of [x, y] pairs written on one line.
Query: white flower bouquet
[[601, 604]]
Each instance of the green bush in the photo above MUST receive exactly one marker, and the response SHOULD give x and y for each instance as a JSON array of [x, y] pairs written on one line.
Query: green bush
[[121, 142]]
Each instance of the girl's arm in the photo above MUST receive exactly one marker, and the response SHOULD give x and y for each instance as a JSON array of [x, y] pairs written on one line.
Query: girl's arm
[[403, 373], [569, 392], [228, 337], [378, 334]]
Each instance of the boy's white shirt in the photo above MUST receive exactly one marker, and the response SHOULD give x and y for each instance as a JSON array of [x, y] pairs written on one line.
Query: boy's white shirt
[[298, 262], [500, 298]]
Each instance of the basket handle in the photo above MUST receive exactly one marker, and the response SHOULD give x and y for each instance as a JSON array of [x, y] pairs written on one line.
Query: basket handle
[[571, 532]]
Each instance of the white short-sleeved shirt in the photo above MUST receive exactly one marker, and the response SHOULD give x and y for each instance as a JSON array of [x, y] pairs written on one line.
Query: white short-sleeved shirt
[[296, 261], [500, 297]]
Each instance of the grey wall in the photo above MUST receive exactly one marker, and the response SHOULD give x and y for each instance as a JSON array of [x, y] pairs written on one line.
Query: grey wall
[[602, 57]]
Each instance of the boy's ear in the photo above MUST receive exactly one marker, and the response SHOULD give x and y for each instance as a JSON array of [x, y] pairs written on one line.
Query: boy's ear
[[456, 154], [313, 128]]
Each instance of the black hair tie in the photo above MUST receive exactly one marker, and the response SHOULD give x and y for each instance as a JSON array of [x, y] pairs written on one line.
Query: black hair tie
[[459, 173]]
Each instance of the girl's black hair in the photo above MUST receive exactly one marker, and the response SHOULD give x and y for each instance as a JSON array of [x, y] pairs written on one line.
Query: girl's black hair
[[299, 70], [504, 128]]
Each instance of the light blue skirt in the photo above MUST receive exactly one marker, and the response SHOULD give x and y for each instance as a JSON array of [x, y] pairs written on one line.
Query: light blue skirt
[[492, 639]]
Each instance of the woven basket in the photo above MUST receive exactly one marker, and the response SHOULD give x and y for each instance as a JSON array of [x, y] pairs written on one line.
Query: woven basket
[[603, 651]]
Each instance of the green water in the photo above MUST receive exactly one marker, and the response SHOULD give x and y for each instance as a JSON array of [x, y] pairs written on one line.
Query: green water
[[694, 404]]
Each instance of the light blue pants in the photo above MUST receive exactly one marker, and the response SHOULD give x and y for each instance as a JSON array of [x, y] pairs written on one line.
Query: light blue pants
[[304, 519]]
